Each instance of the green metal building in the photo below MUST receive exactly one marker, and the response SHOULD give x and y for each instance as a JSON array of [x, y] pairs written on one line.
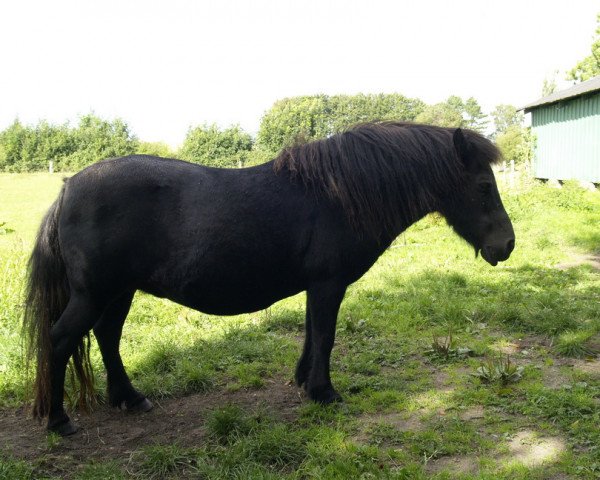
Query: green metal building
[[566, 126]]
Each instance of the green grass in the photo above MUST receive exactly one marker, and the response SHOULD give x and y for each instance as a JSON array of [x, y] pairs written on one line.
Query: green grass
[[157, 461], [230, 422], [15, 469], [404, 414], [573, 343]]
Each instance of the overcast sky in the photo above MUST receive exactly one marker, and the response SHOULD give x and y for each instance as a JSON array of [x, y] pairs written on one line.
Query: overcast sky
[[163, 66]]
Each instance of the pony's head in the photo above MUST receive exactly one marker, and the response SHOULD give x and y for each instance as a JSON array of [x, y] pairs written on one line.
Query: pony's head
[[475, 209], [388, 175]]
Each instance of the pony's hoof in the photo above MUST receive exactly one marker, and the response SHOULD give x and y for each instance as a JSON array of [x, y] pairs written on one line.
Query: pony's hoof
[[334, 398], [143, 406], [64, 429], [324, 396]]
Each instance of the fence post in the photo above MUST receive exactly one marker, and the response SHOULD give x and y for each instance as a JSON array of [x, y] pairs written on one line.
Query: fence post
[[51, 166]]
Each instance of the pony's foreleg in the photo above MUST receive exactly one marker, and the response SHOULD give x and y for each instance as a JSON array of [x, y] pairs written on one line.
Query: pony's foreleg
[[304, 364], [75, 322], [324, 302], [108, 333]]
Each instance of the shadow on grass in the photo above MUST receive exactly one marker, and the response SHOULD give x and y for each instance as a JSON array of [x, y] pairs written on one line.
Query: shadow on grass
[[376, 328], [589, 241], [527, 299]]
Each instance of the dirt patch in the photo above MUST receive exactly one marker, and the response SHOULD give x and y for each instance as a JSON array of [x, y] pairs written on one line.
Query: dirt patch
[[442, 381], [532, 342], [405, 423], [591, 367], [560, 374], [460, 464], [111, 434], [525, 448], [528, 346], [506, 348], [402, 422], [554, 378], [531, 450], [472, 413], [578, 260]]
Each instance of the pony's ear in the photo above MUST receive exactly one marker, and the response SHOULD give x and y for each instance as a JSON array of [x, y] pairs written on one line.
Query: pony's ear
[[461, 144]]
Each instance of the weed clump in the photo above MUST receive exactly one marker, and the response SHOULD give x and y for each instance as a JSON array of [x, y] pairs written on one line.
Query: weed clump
[[444, 348], [501, 371]]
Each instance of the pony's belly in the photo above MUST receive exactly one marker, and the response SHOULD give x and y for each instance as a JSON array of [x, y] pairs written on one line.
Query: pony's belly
[[236, 308], [227, 299]]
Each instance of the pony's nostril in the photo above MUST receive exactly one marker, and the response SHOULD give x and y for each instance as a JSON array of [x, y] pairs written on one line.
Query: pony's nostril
[[510, 245]]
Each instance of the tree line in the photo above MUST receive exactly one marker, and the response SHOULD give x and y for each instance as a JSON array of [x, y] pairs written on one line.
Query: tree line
[[27, 148]]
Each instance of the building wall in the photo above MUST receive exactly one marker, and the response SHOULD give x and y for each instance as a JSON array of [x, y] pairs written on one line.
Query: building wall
[[568, 139]]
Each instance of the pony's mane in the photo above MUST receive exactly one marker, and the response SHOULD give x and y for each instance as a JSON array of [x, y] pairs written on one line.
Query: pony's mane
[[383, 173]]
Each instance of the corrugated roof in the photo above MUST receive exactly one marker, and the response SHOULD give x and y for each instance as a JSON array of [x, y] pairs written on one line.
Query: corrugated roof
[[588, 86]]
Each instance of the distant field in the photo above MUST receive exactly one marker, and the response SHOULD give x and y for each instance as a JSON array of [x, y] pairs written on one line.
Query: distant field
[[457, 409]]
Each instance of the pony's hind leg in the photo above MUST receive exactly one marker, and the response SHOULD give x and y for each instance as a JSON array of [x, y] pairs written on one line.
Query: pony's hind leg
[[108, 333], [65, 335]]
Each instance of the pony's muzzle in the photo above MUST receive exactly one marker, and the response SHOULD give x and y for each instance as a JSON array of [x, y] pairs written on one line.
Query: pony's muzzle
[[494, 254], [510, 246]]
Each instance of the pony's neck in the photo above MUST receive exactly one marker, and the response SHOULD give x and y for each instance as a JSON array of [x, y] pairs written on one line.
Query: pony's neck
[[405, 223]]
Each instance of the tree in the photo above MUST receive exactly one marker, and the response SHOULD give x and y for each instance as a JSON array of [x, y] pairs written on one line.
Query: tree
[[157, 149], [300, 119], [97, 139], [516, 143], [505, 116], [293, 120], [12, 140], [209, 145], [26, 148], [348, 110], [590, 66], [513, 139], [441, 114], [454, 112], [549, 86], [475, 118]]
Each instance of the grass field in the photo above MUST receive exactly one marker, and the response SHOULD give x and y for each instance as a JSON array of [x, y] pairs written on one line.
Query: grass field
[[449, 368]]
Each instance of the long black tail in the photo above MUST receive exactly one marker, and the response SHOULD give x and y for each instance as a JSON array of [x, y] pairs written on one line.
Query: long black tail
[[46, 299]]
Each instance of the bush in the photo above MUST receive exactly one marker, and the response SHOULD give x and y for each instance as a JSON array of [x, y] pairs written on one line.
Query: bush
[[25, 148], [209, 145], [516, 143], [156, 149]]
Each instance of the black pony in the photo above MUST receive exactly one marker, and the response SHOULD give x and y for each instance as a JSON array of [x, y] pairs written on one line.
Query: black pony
[[228, 241]]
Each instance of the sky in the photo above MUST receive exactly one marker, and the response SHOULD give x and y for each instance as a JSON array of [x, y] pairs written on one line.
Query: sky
[[163, 66]]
